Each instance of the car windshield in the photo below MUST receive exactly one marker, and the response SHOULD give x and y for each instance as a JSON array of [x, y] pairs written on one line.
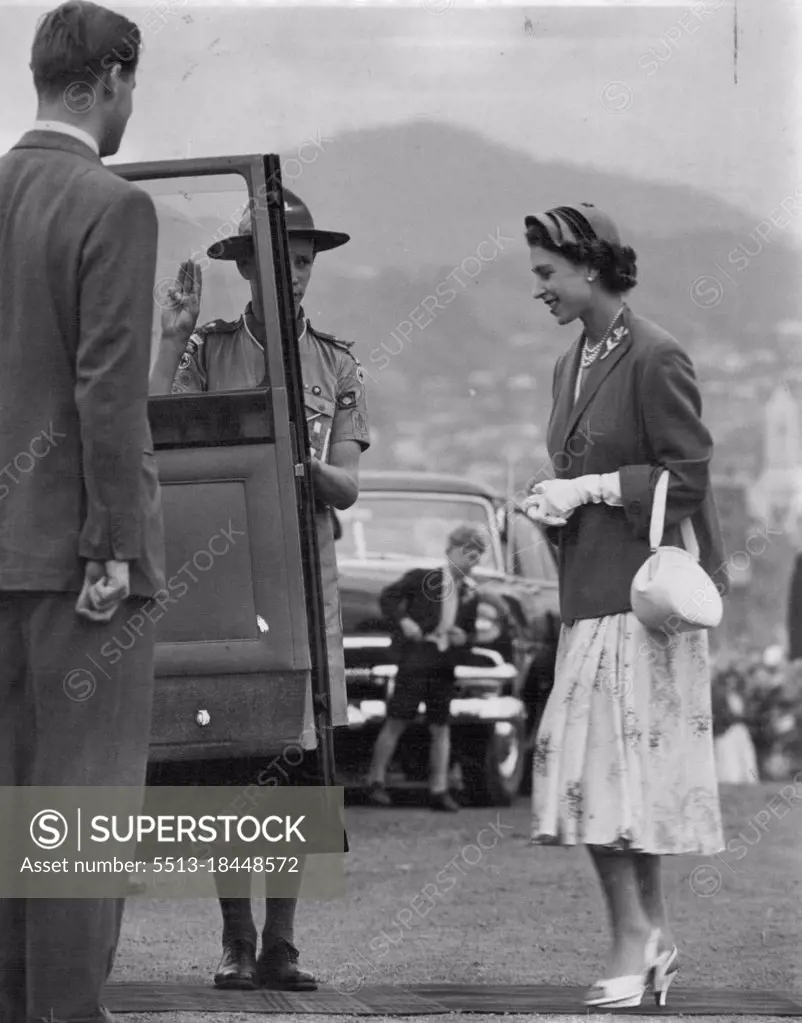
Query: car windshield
[[402, 526]]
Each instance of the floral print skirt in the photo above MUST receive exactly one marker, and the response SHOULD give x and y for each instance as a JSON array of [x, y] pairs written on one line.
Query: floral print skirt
[[624, 756]]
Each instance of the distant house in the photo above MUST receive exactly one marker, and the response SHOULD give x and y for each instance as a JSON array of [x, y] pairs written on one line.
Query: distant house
[[776, 495]]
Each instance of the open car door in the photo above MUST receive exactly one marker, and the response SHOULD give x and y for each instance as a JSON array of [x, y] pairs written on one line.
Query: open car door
[[242, 635]]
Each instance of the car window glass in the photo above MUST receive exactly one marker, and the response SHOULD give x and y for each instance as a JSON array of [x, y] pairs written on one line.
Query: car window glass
[[403, 526], [531, 556], [194, 214]]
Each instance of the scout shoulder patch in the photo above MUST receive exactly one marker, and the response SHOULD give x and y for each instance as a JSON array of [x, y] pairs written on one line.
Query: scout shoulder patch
[[191, 349], [360, 424], [347, 399]]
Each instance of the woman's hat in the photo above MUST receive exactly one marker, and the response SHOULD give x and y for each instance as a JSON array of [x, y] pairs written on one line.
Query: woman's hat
[[299, 225], [575, 224]]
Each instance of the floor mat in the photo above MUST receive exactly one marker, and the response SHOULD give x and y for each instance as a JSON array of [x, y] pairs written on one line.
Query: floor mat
[[435, 999]]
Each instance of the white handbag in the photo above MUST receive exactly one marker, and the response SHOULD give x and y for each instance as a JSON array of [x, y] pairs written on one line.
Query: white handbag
[[671, 591]]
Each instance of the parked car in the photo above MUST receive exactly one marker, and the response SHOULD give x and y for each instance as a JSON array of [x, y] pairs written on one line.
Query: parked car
[[401, 521]]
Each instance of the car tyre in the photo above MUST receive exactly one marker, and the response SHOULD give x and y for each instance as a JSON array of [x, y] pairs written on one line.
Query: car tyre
[[494, 765]]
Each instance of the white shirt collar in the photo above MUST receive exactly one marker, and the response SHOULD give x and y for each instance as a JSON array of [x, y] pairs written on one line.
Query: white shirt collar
[[68, 129]]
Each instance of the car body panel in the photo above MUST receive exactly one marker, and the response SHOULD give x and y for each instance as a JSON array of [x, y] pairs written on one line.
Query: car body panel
[[518, 613]]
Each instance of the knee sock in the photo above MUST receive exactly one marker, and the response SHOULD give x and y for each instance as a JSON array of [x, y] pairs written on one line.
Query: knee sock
[[279, 921], [238, 921]]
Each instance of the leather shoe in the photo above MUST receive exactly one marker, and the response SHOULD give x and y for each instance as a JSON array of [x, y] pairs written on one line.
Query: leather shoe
[[443, 802], [378, 795], [278, 969], [237, 969]]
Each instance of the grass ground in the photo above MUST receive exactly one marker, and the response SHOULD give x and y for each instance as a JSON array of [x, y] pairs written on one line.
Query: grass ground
[[511, 913]]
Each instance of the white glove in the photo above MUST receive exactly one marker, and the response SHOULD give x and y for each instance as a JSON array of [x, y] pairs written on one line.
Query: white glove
[[554, 501], [539, 510]]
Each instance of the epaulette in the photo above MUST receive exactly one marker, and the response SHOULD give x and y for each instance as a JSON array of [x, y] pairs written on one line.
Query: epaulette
[[346, 346], [218, 327]]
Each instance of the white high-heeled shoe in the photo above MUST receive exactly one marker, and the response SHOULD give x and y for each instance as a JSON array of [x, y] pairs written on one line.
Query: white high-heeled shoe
[[665, 969], [626, 992]]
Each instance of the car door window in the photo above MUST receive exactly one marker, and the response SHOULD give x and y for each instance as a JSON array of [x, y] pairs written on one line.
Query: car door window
[[411, 525], [194, 215], [531, 553]]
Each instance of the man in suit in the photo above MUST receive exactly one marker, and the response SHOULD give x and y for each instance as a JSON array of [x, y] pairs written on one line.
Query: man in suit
[[81, 536], [434, 613]]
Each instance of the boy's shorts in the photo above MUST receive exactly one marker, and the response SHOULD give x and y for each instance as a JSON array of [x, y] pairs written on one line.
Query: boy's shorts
[[424, 676]]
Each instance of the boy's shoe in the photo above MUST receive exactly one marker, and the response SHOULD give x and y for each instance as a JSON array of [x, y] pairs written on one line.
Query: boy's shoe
[[237, 969], [443, 802], [378, 795], [278, 970]]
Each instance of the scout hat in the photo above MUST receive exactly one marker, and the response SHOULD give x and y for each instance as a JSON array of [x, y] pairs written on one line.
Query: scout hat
[[574, 224], [299, 225]]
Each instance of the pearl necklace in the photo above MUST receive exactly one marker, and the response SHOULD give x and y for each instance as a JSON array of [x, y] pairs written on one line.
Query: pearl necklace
[[591, 352]]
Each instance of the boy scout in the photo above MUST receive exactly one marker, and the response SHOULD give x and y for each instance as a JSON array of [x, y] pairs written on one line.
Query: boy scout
[[230, 356]]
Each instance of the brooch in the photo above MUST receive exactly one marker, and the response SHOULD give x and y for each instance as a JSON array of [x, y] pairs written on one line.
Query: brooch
[[613, 342]]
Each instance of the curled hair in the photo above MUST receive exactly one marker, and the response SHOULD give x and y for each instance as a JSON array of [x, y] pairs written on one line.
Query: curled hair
[[616, 265], [80, 42]]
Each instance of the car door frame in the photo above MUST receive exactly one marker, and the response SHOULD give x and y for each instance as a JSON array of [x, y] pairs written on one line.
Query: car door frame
[[284, 398]]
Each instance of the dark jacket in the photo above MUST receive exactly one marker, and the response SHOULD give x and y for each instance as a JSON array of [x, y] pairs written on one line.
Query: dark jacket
[[638, 411], [419, 595], [78, 264]]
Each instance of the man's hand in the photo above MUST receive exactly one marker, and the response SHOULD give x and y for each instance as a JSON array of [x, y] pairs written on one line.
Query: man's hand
[[106, 586], [410, 629], [181, 304], [457, 636], [336, 482]]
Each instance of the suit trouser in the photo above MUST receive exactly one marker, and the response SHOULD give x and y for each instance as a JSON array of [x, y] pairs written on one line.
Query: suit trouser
[[69, 715]]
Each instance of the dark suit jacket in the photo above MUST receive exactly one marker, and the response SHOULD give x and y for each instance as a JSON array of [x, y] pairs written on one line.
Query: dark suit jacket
[[638, 412], [77, 272], [419, 595]]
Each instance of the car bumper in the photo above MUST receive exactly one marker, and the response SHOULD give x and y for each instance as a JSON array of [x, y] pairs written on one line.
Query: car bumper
[[477, 697], [367, 713]]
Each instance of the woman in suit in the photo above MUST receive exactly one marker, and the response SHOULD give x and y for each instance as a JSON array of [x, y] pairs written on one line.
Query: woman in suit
[[624, 761]]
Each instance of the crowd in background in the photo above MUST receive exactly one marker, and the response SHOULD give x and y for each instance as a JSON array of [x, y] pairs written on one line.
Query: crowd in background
[[757, 716]]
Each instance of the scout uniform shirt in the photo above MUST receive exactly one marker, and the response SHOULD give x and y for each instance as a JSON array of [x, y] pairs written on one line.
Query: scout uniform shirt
[[224, 356]]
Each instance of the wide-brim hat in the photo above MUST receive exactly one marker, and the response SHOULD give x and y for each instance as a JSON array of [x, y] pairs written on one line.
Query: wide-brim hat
[[575, 224], [299, 225]]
